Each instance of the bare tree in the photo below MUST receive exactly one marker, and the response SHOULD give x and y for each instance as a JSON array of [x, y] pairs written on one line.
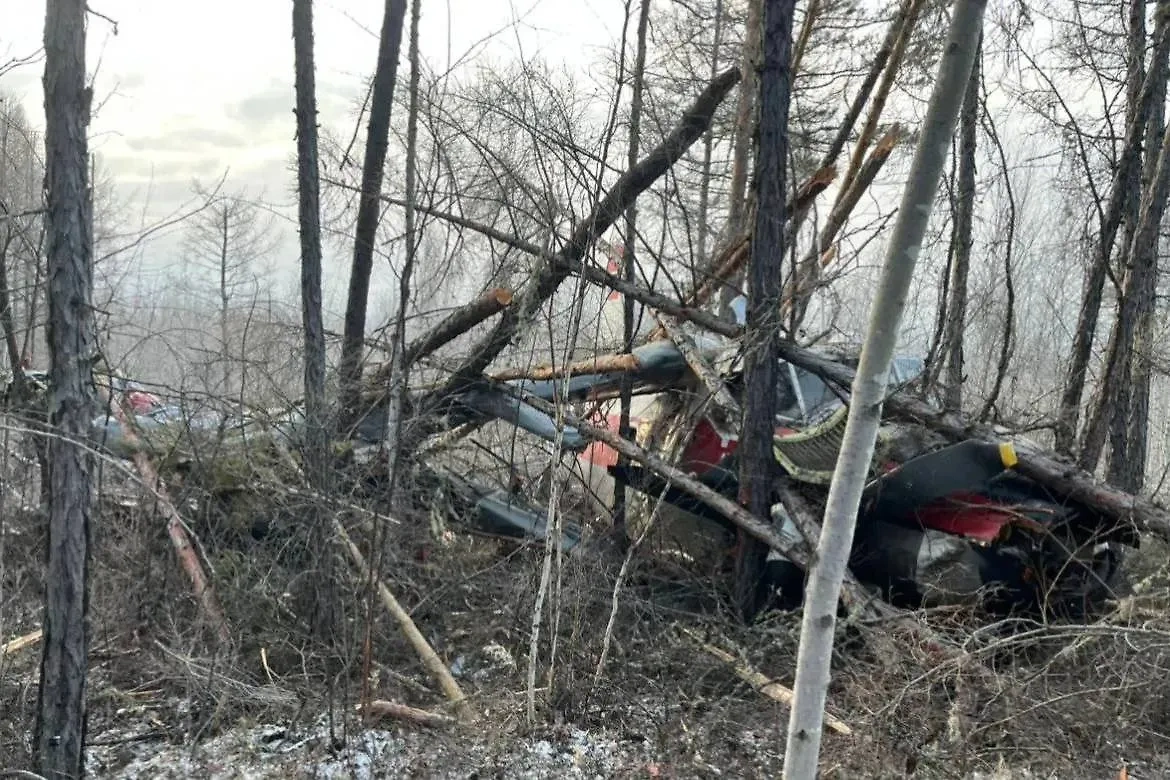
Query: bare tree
[[62, 711], [629, 262], [869, 388], [962, 241], [309, 213], [1111, 213], [230, 240], [369, 207], [757, 464]]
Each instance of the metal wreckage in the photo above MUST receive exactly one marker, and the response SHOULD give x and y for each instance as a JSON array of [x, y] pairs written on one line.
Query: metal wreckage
[[943, 521]]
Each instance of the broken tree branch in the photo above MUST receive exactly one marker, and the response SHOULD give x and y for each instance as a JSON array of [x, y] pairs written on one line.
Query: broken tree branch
[[1061, 476], [735, 255], [459, 322], [602, 364], [380, 708], [176, 529], [549, 275], [20, 643], [799, 291], [727, 406], [426, 653], [761, 682]]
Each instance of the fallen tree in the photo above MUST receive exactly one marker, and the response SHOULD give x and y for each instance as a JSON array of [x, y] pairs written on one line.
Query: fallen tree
[[1059, 475]]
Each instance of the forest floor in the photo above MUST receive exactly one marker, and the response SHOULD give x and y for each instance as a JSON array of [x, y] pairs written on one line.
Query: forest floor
[[1054, 701]]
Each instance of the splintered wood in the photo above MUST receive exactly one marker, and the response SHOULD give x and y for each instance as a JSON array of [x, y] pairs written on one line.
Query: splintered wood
[[20, 643]]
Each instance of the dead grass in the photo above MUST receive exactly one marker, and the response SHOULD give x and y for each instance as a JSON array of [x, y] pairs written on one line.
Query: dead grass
[[1066, 701]]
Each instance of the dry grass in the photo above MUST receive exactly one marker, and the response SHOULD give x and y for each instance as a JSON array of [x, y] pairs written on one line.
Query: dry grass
[[1065, 701]]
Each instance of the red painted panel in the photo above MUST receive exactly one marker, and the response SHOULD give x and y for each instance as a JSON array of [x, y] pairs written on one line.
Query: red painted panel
[[966, 514]]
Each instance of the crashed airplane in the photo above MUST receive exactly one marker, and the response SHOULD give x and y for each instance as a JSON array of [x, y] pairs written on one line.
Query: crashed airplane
[[941, 523]]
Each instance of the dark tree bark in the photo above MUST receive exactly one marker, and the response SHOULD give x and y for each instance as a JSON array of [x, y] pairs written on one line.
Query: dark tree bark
[[309, 214], [1128, 430], [555, 268], [963, 240], [1137, 300], [757, 461], [61, 712], [1085, 333], [365, 232], [625, 402]]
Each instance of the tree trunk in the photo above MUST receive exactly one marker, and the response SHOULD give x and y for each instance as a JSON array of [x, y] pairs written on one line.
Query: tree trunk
[[704, 216], [399, 368], [555, 268], [629, 263], [366, 229], [1084, 335], [62, 712], [1130, 419], [869, 387], [745, 125], [1137, 299], [224, 302], [757, 461], [964, 223], [309, 213]]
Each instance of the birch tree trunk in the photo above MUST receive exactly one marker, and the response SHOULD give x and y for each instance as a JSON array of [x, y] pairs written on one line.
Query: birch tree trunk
[[868, 391], [757, 461], [365, 232], [61, 714]]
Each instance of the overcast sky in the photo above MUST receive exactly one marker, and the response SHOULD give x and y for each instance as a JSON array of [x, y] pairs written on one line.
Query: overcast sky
[[191, 90]]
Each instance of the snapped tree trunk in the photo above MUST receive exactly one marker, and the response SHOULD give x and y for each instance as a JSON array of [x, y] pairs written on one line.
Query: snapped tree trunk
[[366, 229], [964, 223], [61, 714], [757, 461], [869, 388]]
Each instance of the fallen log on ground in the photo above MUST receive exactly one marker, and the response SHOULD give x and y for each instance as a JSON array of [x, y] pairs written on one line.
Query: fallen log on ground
[[177, 530], [430, 659], [380, 708], [1062, 477]]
